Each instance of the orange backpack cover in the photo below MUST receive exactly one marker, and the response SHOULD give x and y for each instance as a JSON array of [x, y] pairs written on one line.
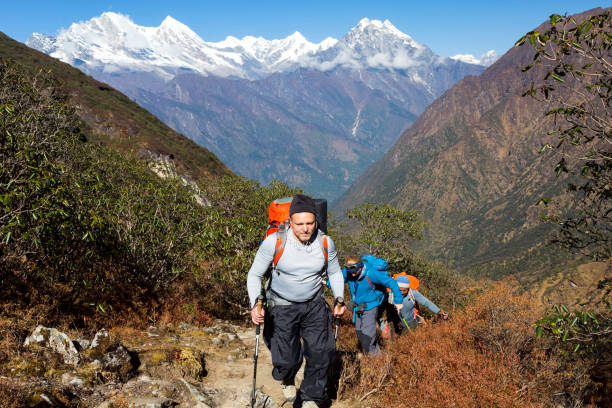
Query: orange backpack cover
[[414, 281], [278, 214]]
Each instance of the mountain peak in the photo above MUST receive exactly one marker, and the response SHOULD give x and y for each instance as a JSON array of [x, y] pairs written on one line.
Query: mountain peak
[[115, 19], [378, 35], [380, 27], [171, 23], [297, 36], [485, 59]]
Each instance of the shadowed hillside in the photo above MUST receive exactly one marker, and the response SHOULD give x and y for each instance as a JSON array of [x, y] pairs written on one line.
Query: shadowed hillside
[[115, 120]]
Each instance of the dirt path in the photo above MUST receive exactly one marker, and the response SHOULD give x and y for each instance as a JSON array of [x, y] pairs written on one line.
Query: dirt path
[[235, 377]]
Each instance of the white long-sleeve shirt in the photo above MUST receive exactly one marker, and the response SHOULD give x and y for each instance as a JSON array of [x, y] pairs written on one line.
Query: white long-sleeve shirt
[[298, 273]]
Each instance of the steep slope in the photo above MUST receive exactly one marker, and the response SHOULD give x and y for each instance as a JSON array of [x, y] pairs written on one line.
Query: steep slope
[[470, 163], [115, 119]]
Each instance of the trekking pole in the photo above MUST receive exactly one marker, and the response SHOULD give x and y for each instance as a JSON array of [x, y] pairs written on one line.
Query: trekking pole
[[338, 301], [257, 330]]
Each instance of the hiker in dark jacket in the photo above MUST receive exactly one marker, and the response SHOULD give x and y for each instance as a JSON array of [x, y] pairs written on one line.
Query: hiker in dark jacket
[[297, 311], [407, 318], [368, 288]]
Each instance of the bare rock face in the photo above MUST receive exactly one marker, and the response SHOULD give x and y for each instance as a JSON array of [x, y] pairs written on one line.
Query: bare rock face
[[165, 167], [54, 340]]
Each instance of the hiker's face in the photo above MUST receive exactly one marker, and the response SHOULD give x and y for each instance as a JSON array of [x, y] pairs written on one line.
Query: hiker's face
[[404, 291], [303, 225]]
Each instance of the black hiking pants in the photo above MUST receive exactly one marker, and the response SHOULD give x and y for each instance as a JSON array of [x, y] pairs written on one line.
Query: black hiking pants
[[311, 322]]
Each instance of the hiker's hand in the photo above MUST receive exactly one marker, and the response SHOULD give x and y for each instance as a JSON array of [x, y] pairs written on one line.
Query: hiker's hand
[[443, 315], [399, 307], [257, 316], [339, 310]]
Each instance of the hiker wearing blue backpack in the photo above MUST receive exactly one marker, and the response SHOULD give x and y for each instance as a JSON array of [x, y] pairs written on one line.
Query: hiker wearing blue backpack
[[368, 280]]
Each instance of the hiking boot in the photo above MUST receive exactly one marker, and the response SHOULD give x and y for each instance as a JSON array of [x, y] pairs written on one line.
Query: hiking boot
[[309, 404], [289, 392]]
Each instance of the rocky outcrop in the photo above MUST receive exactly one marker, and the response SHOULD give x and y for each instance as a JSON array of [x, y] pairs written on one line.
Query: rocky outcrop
[[159, 367], [165, 167]]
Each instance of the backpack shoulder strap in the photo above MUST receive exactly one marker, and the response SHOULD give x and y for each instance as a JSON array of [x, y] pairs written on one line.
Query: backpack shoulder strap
[[367, 278], [324, 247], [281, 241]]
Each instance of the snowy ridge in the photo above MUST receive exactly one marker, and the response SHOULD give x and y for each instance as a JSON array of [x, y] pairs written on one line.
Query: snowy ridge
[[113, 43], [485, 59]]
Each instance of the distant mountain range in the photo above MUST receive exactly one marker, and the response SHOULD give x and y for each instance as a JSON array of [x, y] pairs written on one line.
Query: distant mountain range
[[312, 115], [470, 164]]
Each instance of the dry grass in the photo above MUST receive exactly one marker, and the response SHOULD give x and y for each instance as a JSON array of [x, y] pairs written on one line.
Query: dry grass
[[485, 356]]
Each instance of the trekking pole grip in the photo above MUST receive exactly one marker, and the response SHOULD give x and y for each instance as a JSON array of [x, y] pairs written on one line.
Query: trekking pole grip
[[259, 306]]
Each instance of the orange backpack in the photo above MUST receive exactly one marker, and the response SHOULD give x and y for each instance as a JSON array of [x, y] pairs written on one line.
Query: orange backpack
[[414, 284], [414, 281]]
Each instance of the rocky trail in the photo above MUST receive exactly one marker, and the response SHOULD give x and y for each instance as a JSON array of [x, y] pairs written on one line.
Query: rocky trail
[[174, 366]]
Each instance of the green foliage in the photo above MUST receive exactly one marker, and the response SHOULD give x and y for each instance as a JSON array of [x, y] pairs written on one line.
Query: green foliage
[[581, 331], [385, 231], [573, 57], [240, 215], [85, 224]]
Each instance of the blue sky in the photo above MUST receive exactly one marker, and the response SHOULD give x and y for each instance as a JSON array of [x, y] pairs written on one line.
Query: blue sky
[[447, 27]]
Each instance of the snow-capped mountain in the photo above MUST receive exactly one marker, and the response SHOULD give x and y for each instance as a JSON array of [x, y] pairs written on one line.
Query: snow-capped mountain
[[112, 42], [373, 44], [328, 110], [486, 59]]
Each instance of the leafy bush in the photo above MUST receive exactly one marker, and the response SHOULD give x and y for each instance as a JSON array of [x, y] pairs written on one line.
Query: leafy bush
[[87, 226], [91, 227]]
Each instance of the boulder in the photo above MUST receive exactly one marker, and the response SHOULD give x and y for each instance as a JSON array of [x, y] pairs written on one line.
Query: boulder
[[54, 340], [108, 360], [170, 362]]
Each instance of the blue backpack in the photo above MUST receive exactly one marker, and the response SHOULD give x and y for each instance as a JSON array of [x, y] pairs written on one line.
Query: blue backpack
[[375, 263]]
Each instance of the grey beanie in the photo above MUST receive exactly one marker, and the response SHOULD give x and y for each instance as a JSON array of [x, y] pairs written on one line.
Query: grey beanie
[[301, 203]]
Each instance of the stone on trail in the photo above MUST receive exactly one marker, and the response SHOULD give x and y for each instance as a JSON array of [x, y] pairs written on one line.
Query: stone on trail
[[180, 392], [263, 400], [55, 340]]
